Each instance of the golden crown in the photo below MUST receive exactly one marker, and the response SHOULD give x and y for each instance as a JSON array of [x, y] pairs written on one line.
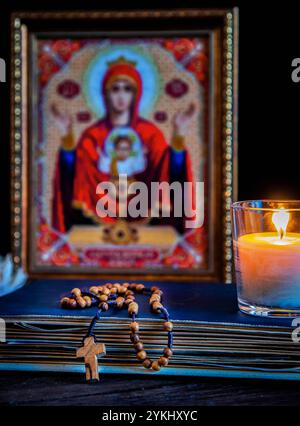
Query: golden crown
[[121, 60]]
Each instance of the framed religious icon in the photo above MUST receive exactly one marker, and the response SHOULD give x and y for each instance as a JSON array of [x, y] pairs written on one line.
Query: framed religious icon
[[124, 129]]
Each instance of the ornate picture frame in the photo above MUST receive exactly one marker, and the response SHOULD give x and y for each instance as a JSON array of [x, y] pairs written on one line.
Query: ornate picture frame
[[48, 52]]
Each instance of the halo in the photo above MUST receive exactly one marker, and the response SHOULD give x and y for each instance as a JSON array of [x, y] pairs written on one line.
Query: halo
[[92, 80]]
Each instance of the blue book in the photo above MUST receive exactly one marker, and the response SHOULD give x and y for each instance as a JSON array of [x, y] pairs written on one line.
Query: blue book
[[213, 339]]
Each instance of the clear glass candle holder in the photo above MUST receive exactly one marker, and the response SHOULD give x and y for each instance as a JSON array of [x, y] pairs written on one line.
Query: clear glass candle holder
[[266, 241]]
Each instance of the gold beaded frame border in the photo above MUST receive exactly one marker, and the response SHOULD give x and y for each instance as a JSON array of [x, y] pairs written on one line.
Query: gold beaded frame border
[[19, 142], [230, 122], [18, 136]]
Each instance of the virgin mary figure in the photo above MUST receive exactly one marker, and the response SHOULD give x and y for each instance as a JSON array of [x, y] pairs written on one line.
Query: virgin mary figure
[[78, 172]]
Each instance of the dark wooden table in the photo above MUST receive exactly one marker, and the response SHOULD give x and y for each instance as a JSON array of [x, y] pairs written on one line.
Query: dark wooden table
[[67, 389]]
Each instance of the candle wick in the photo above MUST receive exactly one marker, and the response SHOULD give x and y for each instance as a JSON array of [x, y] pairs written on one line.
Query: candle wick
[[281, 233]]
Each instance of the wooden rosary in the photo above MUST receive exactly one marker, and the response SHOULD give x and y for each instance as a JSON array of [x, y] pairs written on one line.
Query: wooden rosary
[[118, 295]]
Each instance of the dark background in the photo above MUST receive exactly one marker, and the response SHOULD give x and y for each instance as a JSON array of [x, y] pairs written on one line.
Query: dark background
[[269, 120]]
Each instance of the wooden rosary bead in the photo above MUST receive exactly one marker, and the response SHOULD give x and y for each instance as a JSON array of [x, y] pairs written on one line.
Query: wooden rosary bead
[[132, 286], [156, 306], [168, 353], [168, 326], [106, 291], [76, 292], [122, 290], [113, 290], [81, 302], [72, 304], [126, 285], [134, 338], [133, 308], [103, 298], [138, 346], [129, 293], [100, 288], [65, 302], [141, 355], [109, 285], [130, 297], [163, 361], [94, 290], [154, 298], [155, 366], [147, 363], [103, 306], [154, 288], [117, 286], [120, 302], [88, 301], [158, 292], [128, 301], [140, 288], [134, 327]]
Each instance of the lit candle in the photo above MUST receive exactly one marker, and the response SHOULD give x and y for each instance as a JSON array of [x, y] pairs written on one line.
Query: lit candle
[[268, 265]]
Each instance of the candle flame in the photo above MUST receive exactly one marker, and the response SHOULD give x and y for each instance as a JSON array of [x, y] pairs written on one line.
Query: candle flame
[[281, 219]]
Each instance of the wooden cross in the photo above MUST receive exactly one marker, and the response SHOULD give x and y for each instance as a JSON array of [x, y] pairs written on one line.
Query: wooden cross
[[89, 352]]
